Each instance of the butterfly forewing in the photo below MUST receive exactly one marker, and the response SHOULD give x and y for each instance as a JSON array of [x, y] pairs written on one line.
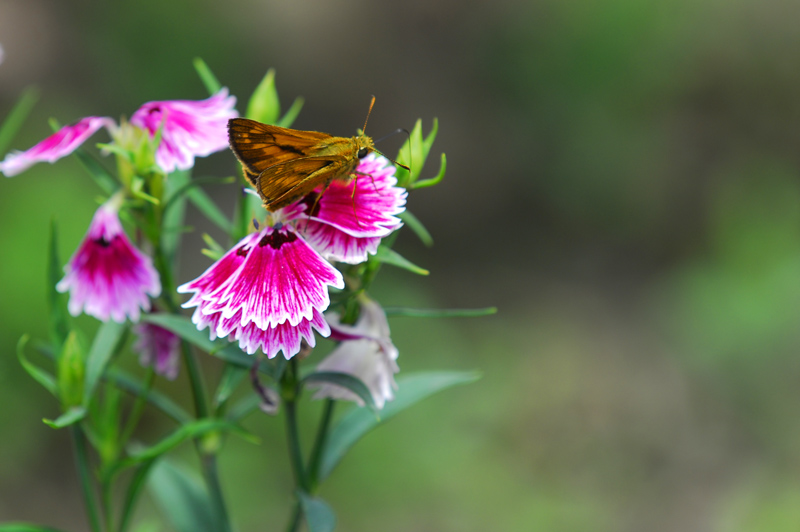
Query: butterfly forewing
[[259, 146]]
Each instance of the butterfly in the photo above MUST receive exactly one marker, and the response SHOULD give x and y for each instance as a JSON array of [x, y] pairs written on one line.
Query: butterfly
[[285, 165]]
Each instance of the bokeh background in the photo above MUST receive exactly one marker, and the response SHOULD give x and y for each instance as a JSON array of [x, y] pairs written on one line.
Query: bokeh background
[[623, 183]]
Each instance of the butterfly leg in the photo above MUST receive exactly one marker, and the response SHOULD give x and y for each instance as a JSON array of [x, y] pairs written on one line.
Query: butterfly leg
[[353, 196], [378, 192]]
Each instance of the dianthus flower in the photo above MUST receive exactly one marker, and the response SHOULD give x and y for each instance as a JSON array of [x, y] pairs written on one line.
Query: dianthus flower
[[190, 128], [107, 277], [159, 348], [270, 290], [366, 352]]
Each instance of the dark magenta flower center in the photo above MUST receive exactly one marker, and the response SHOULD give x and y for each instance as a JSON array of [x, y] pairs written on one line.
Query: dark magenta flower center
[[277, 239]]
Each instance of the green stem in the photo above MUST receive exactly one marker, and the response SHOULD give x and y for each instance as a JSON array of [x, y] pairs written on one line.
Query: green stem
[[137, 410], [211, 474], [292, 434], [82, 462], [319, 444], [195, 381], [294, 523]]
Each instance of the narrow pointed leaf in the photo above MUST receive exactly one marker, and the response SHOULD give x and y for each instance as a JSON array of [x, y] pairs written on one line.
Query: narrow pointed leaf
[[135, 489], [59, 323], [16, 117], [291, 114], [410, 390], [440, 313], [206, 205], [319, 515], [206, 76], [70, 417], [390, 256], [134, 386], [434, 180], [47, 380], [173, 218], [106, 343], [413, 223], [96, 170]]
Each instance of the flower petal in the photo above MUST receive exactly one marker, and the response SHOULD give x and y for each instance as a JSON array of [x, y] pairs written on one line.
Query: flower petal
[[366, 206], [191, 128], [282, 279], [58, 145], [158, 347], [107, 277]]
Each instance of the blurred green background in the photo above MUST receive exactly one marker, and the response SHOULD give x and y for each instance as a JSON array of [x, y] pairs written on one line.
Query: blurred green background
[[623, 183]]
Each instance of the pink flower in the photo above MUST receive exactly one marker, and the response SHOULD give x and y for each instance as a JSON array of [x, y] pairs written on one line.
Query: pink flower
[[346, 226], [366, 352], [58, 145], [107, 277], [191, 128], [270, 290], [158, 347]]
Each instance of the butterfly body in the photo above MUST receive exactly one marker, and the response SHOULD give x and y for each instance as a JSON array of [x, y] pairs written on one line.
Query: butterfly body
[[286, 164]]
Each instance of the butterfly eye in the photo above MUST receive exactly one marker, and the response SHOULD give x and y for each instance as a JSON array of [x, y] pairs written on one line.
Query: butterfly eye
[[362, 153]]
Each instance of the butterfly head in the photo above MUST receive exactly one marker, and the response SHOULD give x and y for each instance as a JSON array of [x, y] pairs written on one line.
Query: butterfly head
[[364, 146]]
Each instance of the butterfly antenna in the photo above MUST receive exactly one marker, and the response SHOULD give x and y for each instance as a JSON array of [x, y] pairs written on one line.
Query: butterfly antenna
[[371, 103]]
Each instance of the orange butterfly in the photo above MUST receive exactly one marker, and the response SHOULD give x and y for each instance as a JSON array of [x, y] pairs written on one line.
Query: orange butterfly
[[286, 164]]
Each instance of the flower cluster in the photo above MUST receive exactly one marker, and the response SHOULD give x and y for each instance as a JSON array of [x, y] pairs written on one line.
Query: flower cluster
[[270, 290]]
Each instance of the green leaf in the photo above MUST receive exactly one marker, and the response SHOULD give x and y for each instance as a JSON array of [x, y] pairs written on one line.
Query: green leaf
[[319, 515], [390, 256], [357, 422], [70, 417], [206, 76], [17, 116], [100, 175], [59, 323], [134, 386], [106, 343], [206, 205], [413, 223], [264, 105], [288, 119], [244, 407], [26, 527], [414, 152], [434, 180], [71, 364], [231, 378], [183, 499], [41, 376], [440, 313], [344, 380]]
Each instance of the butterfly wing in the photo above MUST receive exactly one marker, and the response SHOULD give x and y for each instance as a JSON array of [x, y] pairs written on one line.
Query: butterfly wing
[[259, 146], [284, 183]]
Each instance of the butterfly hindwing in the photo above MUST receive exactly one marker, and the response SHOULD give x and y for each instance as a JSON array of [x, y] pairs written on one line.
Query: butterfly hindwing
[[286, 182]]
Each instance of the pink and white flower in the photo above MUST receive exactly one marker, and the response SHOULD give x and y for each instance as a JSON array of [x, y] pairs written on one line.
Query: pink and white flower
[[191, 128], [270, 290], [158, 347], [58, 145], [366, 352], [107, 277]]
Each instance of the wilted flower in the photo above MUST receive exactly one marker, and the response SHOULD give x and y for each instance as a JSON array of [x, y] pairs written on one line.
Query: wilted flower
[[190, 129], [270, 290], [159, 348], [107, 277], [366, 352]]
